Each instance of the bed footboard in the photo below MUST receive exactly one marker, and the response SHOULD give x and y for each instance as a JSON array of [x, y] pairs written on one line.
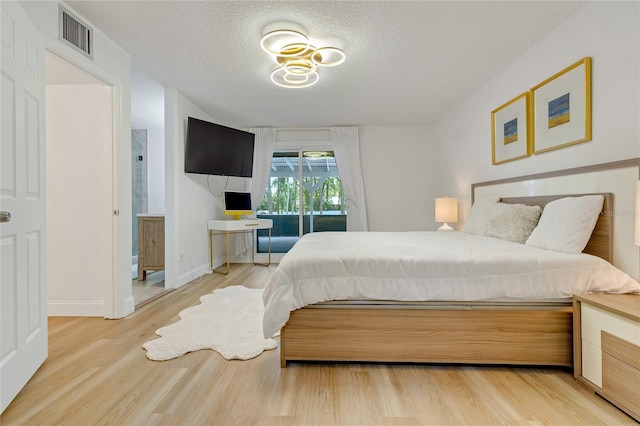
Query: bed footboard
[[537, 336]]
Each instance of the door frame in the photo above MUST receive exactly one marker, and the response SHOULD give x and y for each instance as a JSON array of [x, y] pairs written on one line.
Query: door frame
[[299, 145], [117, 302]]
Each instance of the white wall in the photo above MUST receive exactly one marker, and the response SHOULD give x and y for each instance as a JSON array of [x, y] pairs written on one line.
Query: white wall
[[606, 31], [397, 163], [155, 165], [113, 65], [79, 186], [399, 179], [189, 203]]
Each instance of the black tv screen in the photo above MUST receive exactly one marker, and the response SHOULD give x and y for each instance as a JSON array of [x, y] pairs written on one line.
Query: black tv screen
[[213, 149]]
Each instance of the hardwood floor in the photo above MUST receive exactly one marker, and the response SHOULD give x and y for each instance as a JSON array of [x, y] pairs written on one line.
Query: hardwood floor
[[97, 373]]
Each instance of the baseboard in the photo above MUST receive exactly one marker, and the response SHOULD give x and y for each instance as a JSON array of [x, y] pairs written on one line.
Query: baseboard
[[61, 308], [189, 276]]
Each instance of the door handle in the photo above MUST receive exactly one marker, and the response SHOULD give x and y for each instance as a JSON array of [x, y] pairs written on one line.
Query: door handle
[[5, 217]]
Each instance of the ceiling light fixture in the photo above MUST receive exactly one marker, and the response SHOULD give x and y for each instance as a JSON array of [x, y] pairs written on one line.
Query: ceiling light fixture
[[297, 58]]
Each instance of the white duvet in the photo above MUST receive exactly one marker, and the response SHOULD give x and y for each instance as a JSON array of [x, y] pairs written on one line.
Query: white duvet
[[428, 266]]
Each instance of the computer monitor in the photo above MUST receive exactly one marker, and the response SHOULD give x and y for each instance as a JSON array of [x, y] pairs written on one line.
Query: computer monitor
[[237, 204]]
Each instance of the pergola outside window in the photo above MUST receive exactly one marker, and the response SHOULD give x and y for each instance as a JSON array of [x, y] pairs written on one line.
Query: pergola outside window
[[304, 194]]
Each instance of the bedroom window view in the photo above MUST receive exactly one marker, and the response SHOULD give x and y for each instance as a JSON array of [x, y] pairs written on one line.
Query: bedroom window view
[[296, 209]]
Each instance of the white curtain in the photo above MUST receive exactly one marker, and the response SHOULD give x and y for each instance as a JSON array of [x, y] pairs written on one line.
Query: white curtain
[[346, 147], [262, 154]]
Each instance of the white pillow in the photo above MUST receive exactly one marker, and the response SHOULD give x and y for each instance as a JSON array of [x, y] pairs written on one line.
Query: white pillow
[[478, 218], [567, 223], [513, 222]]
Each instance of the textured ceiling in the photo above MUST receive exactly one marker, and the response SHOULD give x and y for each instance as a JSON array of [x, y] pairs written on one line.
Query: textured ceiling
[[408, 62]]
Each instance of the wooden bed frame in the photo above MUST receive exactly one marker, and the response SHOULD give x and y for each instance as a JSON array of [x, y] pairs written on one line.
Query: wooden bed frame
[[443, 332]]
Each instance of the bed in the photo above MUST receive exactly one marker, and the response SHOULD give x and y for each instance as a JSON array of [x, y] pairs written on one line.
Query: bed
[[477, 328]]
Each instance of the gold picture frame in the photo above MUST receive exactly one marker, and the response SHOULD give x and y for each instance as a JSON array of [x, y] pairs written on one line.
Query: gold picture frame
[[561, 108], [511, 130]]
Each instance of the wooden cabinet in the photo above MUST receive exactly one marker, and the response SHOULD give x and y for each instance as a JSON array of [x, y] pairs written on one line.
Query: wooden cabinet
[[607, 348], [150, 244]]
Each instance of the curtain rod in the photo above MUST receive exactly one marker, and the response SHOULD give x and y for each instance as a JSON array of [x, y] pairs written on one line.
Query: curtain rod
[[308, 129], [303, 129]]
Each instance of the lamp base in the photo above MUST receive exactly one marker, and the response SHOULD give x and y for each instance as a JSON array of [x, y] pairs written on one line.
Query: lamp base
[[445, 227]]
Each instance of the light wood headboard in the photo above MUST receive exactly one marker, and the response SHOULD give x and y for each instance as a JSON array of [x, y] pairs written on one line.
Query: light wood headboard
[[601, 242], [618, 178]]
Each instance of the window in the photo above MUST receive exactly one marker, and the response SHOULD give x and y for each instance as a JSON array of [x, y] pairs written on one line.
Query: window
[[303, 199]]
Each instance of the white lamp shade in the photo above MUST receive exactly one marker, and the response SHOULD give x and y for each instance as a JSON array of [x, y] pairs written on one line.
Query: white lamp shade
[[446, 209], [638, 213]]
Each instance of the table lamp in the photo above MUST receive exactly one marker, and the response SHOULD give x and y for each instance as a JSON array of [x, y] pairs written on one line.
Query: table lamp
[[446, 211]]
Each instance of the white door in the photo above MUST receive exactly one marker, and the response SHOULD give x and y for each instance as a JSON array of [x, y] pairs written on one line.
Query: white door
[[23, 314]]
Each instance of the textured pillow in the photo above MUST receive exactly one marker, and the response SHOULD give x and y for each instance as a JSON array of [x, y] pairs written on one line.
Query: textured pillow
[[566, 224], [478, 218], [513, 222]]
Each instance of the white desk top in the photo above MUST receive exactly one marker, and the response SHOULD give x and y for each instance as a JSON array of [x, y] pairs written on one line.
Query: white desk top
[[239, 225]]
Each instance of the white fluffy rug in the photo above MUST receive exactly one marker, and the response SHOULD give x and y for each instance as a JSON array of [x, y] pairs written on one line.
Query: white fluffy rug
[[229, 321]]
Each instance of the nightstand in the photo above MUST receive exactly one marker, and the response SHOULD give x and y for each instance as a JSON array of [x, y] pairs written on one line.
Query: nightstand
[[606, 347]]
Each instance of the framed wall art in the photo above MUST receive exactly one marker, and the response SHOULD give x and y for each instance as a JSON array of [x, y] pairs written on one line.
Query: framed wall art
[[511, 130], [561, 108]]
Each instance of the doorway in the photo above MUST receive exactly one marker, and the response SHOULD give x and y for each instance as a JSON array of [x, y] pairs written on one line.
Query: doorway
[[147, 187], [80, 179]]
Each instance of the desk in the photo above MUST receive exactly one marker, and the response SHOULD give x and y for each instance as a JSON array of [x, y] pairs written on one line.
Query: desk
[[226, 227]]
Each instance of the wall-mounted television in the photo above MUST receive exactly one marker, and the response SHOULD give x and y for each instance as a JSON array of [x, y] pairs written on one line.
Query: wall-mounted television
[[213, 149], [237, 203]]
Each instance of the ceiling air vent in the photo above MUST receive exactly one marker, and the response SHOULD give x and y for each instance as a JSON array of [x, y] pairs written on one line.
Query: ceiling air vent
[[75, 33]]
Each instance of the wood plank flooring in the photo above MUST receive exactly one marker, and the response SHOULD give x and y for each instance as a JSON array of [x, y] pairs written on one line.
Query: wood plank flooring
[[97, 373]]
